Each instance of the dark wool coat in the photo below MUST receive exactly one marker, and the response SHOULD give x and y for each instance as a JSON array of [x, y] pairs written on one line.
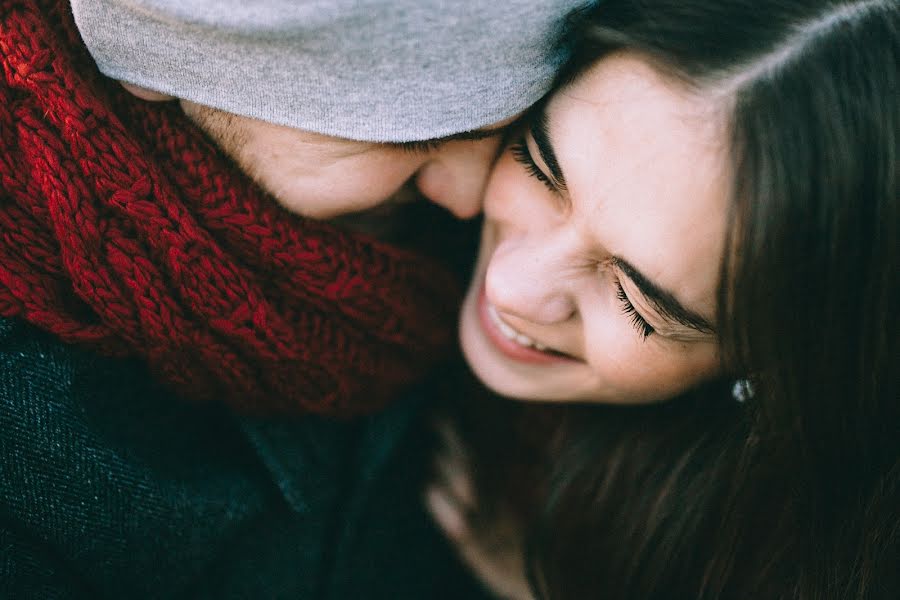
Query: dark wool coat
[[111, 488]]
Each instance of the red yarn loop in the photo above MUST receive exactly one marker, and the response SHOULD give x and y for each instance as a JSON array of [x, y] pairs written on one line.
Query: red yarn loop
[[124, 230]]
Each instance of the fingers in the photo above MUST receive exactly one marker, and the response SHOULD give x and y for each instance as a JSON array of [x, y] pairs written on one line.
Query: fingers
[[498, 566], [451, 442], [446, 513], [451, 497], [501, 571], [454, 474], [491, 547]]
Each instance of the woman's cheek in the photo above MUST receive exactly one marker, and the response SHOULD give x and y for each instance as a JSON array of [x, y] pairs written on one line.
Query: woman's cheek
[[634, 370], [617, 359], [672, 368], [507, 193]]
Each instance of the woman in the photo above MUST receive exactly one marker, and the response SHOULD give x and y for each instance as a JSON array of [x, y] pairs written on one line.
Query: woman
[[709, 202]]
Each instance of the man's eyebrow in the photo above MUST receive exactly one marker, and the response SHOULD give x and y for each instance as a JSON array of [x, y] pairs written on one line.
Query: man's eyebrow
[[469, 136], [476, 134], [540, 132], [665, 301]]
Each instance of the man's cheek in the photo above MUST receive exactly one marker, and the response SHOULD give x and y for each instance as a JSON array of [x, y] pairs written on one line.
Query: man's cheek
[[329, 199], [321, 205]]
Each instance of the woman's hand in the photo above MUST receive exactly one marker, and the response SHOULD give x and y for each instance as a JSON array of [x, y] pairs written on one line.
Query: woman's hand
[[492, 548]]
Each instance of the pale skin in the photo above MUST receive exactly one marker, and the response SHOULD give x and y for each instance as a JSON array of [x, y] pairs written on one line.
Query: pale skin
[[645, 190], [643, 198]]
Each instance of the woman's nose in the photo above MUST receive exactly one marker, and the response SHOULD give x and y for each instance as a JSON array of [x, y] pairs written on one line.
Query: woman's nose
[[456, 175], [527, 280]]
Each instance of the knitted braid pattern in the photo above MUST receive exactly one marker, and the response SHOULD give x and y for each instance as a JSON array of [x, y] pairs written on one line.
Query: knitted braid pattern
[[124, 230]]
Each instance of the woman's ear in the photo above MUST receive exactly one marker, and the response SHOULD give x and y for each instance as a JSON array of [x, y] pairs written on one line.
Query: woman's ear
[[145, 94]]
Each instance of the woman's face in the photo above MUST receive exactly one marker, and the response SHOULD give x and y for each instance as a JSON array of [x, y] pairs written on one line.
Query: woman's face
[[604, 230]]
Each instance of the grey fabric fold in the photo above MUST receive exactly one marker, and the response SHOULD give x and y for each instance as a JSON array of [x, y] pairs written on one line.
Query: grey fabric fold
[[375, 70]]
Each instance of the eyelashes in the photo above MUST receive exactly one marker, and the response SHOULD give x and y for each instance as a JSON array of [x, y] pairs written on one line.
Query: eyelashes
[[643, 328], [419, 147], [520, 152]]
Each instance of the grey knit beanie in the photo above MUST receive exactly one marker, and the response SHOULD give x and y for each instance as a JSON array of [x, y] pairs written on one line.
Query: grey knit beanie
[[375, 70]]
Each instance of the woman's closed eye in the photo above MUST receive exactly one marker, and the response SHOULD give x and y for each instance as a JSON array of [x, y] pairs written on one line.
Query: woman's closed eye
[[640, 324], [522, 155]]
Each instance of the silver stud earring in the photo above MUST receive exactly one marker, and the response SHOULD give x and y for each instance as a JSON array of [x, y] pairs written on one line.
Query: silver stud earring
[[742, 390]]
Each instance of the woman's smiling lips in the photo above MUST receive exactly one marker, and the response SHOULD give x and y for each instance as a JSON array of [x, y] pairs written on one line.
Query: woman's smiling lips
[[512, 343]]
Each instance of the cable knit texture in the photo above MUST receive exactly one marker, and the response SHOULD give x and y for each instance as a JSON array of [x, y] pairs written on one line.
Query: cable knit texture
[[123, 229]]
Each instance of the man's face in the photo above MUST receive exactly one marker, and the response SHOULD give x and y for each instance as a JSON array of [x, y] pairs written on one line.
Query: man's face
[[321, 176]]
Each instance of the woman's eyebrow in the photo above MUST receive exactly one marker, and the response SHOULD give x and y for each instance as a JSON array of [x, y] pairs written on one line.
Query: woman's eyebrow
[[540, 132], [664, 300]]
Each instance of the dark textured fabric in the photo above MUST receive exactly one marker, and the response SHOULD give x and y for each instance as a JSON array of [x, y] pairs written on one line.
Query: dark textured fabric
[[111, 488], [125, 231]]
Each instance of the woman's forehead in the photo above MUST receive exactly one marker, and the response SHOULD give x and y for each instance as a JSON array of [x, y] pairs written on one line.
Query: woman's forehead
[[646, 165]]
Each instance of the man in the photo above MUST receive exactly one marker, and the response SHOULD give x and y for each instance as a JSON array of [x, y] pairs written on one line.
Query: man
[[316, 99], [159, 275]]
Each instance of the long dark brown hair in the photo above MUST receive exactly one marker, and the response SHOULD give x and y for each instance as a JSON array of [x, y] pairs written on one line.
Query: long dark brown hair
[[794, 493]]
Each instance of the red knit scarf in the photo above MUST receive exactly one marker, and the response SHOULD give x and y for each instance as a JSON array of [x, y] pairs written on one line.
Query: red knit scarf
[[124, 230]]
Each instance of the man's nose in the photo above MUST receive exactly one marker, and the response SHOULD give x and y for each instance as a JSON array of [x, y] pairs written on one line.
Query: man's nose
[[456, 175], [528, 281]]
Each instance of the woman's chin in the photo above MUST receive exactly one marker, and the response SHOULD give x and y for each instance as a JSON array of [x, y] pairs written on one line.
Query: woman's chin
[[499, 369]]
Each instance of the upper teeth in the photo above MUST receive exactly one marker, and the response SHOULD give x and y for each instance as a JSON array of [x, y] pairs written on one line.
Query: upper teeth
[[510, 333]]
